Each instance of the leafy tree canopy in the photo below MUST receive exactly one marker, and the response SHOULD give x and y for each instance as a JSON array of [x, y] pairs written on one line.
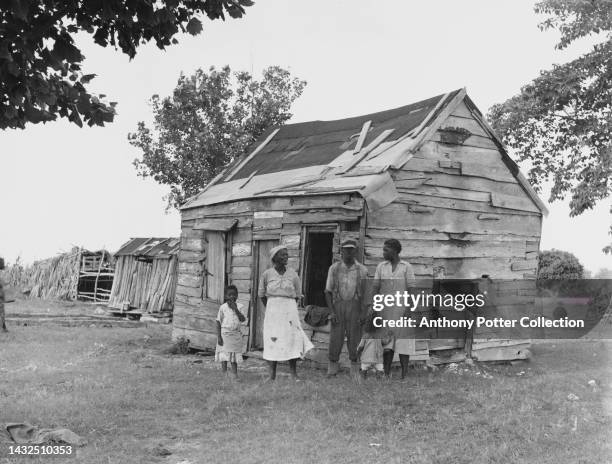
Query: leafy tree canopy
[[211, 118], [557, 264], [40, 64], [603, 273], [561, 122]]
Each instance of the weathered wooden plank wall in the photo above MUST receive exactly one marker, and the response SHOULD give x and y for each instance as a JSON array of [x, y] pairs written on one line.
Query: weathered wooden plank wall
[[462, 214], [258, 219], [460, 210], [145, 285]]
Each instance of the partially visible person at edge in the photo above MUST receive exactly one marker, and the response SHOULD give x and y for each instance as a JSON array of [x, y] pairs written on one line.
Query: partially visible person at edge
[[229, 334], [391, 276], [2, 321], [284, 338], [344, 297]]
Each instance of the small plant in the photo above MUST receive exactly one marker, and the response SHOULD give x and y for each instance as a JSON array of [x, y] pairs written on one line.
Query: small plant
[[180, 346]]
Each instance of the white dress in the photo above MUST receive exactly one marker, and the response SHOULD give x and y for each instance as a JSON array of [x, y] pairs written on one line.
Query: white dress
[[283, 335], [232, 348]]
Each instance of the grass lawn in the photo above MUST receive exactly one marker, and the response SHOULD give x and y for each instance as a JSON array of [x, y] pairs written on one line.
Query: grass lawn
[[118, 388]]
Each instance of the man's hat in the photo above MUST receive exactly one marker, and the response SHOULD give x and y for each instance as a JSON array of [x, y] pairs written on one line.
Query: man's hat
[[348, 243]]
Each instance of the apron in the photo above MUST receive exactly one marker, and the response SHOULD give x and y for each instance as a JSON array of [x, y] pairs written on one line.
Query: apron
[[283, 335]]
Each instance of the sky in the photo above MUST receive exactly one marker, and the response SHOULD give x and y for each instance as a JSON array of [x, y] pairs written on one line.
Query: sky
[[63, 186]]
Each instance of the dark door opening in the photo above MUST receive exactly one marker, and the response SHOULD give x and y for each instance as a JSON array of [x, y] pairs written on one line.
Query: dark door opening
[[319, 256], [446, 338]]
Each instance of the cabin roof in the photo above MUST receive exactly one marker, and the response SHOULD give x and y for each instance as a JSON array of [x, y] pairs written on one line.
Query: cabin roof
[[341, 156], [318, 143], [149, 247]]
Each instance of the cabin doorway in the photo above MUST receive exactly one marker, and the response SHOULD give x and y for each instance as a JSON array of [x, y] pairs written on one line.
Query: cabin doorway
[[262, 262], [318, 257], [451, 338]]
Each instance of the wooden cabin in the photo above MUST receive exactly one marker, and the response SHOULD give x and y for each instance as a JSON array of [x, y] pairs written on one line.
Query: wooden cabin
[[145, 275], [431, 174]]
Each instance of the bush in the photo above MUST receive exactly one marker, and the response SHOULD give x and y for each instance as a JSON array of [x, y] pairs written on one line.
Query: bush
[[180, 346], [557, 264]]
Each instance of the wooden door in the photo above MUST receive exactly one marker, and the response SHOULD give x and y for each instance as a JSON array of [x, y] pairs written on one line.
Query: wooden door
[[262, 262], [215, 266]]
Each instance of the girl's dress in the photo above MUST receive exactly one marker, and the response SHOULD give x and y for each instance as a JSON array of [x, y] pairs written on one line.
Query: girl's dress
[[232, 348]]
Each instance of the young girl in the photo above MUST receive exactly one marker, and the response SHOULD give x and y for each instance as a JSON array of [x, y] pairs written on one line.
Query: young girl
[[229, 336], [370, 350]]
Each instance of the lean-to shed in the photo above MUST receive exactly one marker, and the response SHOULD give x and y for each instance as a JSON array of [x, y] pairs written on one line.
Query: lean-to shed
[[145, 275], [77, 274], [431, 174]]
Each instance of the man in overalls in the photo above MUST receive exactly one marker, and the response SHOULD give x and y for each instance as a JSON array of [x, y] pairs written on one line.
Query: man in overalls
[[343, 294]]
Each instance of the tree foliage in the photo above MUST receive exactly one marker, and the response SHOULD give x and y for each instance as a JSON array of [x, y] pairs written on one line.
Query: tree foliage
[[603, 273], [41, 74], [557, 264], [561, 122], [210, 118]]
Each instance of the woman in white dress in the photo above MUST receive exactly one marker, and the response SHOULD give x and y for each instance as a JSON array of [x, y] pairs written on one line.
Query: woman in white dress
[[279, 290]]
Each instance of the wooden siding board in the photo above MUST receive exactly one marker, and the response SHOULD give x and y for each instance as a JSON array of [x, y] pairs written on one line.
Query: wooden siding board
[[385, 232], [472, 141], [425, 200], [448, 249], [523, 203], [397, 215], [475, 169], [442, 192], [456, 181], [320, 217], [249, 206], [459, 153]]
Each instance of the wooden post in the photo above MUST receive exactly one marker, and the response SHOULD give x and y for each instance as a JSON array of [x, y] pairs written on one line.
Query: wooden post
[[98, 276]]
